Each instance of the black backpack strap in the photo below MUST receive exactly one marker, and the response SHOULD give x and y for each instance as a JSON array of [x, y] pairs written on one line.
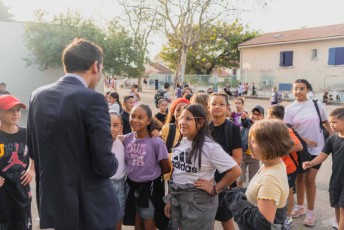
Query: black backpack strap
[[293, 159], [170, 136], [318, 112], [229, 135]]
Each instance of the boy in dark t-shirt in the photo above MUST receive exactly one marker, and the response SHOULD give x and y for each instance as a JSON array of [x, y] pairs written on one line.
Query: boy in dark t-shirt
[[335, 145], [15, 194]]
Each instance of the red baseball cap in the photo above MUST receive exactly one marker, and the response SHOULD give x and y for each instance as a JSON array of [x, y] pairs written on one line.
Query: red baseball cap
[[8, 101]]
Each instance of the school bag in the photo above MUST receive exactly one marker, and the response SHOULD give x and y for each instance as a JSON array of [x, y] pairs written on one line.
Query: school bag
[[159, 95], [278, 97], [170, 137], [302, 155]]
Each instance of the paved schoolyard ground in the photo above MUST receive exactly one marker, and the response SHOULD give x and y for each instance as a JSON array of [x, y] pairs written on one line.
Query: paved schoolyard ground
[[324, 213]]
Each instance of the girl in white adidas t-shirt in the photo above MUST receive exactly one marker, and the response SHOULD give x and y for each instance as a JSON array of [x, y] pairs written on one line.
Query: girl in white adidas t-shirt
[[302, 114], [195, 160]]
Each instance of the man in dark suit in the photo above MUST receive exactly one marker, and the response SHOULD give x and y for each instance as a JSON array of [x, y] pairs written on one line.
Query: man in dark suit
[[69, 138]]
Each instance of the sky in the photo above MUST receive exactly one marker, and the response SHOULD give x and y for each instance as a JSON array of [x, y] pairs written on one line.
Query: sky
[[278, 15]]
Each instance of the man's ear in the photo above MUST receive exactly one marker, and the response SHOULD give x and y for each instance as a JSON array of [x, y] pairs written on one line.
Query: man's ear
[[95, 67]]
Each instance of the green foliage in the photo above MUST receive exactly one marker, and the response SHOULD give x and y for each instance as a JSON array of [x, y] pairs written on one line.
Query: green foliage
[[4, 14], [47, 39], [216, 47]]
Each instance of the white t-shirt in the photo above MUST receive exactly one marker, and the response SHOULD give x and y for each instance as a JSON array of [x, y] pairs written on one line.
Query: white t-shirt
[[114, 108], [118, 150], [213, 157], [240, 89], [304, 117]]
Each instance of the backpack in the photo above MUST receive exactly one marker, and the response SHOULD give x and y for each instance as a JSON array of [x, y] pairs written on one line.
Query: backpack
[[178, 92], [159, 95], [278, 97], [324, 131], [302, 155], [170, 137]]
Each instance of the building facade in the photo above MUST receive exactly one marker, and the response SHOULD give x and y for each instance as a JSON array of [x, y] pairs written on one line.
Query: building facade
[[279, 58]]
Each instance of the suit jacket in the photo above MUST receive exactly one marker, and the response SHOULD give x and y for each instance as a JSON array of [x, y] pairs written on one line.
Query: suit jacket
[[69, 138]]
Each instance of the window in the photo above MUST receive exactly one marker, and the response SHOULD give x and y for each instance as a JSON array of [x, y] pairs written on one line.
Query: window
[[286, 58], [336, 56], [314, 54]]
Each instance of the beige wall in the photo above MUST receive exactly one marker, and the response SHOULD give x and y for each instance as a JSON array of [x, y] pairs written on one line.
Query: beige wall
[[20, 79], [265, 60]]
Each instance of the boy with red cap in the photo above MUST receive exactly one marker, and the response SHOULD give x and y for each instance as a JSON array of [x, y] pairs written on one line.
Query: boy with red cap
[[15, 170]]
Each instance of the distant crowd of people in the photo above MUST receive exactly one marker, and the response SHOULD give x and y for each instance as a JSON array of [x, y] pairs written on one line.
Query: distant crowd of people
[[103, 162]]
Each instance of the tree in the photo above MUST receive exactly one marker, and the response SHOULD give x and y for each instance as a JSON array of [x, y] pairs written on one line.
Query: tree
[[217, 46], [141, 23], [4, 14], [47, 39], [184, 21]]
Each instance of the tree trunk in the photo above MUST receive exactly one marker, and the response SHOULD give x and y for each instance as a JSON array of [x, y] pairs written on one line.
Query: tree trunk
[[183, 63], [139, 83]]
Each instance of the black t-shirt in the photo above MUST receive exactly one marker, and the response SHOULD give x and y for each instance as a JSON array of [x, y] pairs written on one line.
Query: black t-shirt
[[161, 117], [217, 133], [14, 160], [335, 145], [126, 126]]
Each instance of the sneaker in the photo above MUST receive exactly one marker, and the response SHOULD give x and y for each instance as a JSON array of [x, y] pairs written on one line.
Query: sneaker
[[298, 211], [335, 224], [288, 223], [309, 219]]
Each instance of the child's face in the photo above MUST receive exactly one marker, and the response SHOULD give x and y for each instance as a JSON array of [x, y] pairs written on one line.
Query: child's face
[[187, 124], [336, 124], [129, 104], [178, 110], [269, 115], [256, 116], [139, 119], [300, 91], [256, 152], [132, 88], [218, 106], [163, 106], [111, 100], [238, 104], [116, 126], [11, 116]]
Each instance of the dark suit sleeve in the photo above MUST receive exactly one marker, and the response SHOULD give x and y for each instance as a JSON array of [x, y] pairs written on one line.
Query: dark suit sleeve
[[104, 163]]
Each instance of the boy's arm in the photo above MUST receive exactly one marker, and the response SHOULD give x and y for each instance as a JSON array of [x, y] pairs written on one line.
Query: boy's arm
[[319, 159], [27, 176]]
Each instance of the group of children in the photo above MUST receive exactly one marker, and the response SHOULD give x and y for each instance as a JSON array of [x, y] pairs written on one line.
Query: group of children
[[198, 142]]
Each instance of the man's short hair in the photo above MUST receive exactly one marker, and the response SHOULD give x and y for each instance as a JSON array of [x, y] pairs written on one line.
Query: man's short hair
[[277, 111], [3, 83], [79, 55]]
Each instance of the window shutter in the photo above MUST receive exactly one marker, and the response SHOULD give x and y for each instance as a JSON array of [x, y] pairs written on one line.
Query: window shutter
[[339, 56], [289, 58], [332, 56], [281, 58]]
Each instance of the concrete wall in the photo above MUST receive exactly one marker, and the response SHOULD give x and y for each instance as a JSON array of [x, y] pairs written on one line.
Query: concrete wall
[[20, 79], [265, 61]]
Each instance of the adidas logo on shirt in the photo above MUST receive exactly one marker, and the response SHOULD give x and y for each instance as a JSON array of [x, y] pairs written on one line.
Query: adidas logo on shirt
[[183, 162]]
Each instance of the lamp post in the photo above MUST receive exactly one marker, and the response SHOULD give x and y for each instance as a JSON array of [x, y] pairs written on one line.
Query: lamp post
[[246, 66]]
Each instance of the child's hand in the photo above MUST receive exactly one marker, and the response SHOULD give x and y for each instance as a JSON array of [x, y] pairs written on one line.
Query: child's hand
[[155, 133], [204, 185], [310, 143], [306, 165], [26, 177], [167, 209], [244, 115], [2, 181]]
